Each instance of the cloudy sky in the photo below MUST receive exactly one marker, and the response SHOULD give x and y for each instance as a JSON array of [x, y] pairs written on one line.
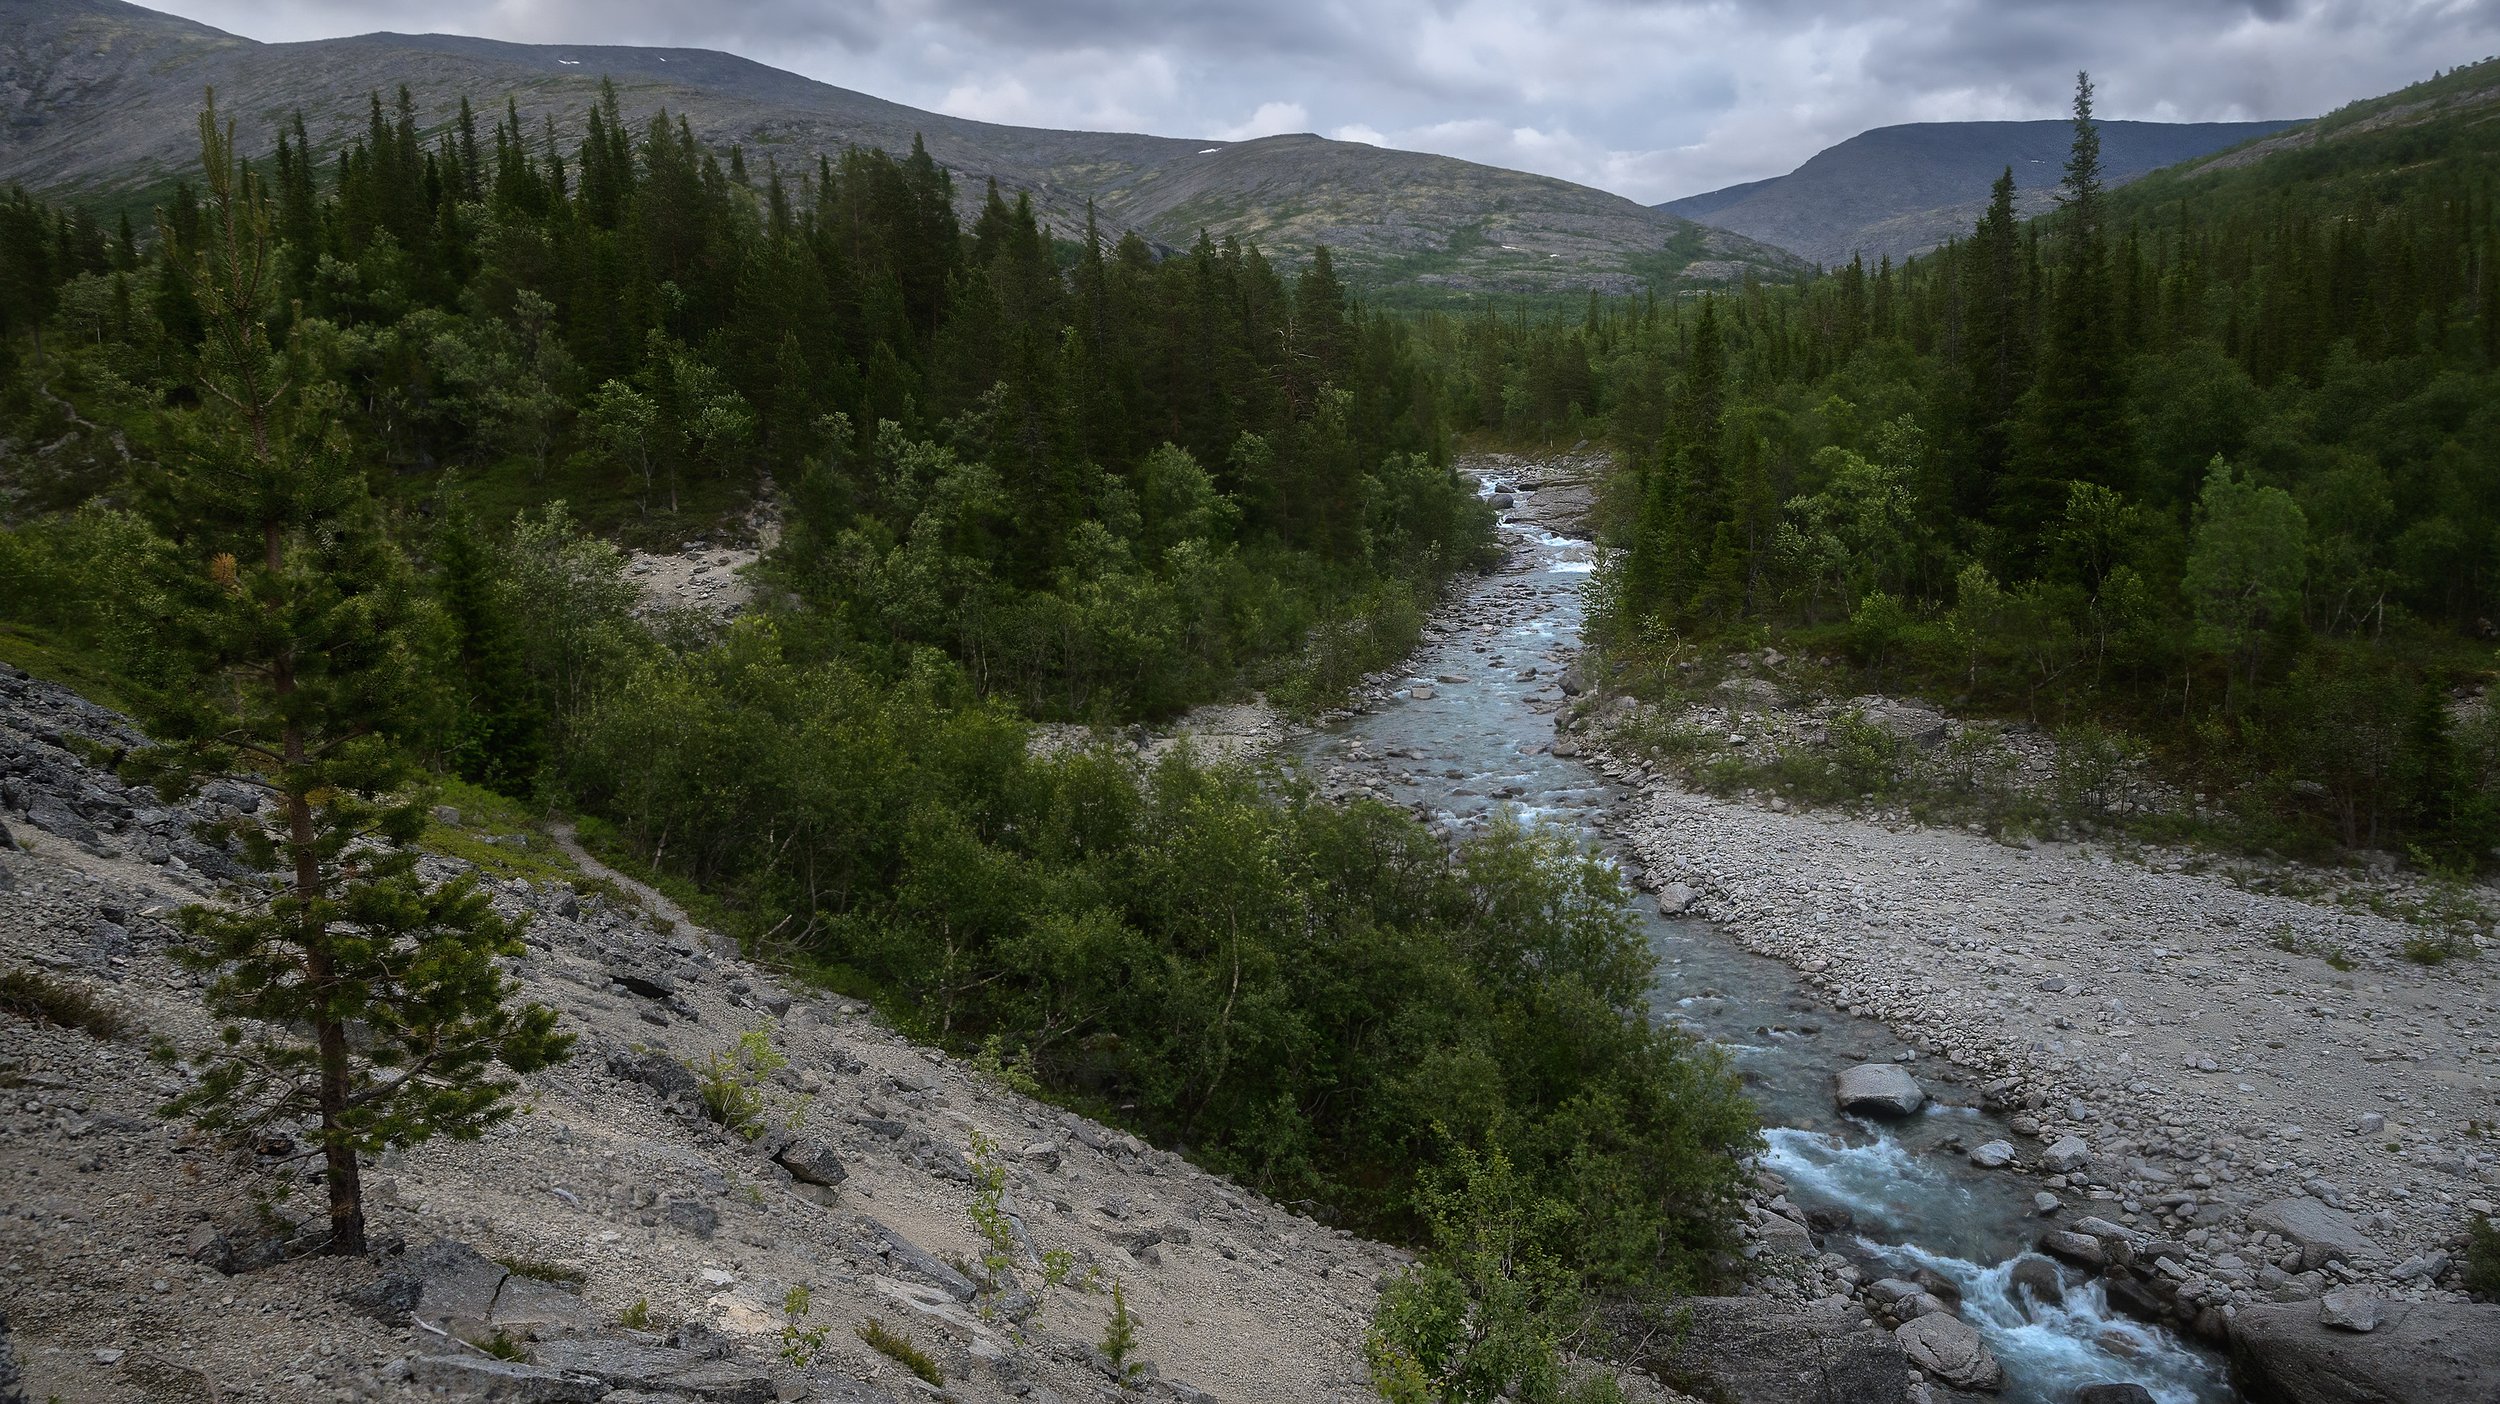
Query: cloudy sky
[[1651, 98]]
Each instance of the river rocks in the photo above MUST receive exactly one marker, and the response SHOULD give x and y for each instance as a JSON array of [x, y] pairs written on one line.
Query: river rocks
[[2081, 1249], [2065, 1155], [1749, 1350], [2354, 1309], [1674, 899], [2323, 1234], [1904, 721], [1878, 1089], [2114, 1394], [2040, 1278], [1995, 1155], [2435, 1352], [1950, 1349], [1783, 1237]]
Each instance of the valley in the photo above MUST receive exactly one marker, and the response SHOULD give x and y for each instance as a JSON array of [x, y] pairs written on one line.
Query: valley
[[671, 734]]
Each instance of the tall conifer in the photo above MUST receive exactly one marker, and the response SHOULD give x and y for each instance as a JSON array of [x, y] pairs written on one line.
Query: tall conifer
[[289, 618]]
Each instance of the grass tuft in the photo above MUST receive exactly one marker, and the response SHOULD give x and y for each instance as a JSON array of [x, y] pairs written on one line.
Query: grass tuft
[[900, 1350], [38, 998], [540, 1270]]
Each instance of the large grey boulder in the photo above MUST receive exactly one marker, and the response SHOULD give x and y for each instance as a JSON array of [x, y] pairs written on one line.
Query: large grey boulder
[[2323, 1235], [2432, 1352], [505, 1381], [451, 1287], [1878, 1089], [1783, 1237], [630, 1364], [1950, 1349], [1751, 1350], [811, 1162], [2066, 1155], [908, 1257]]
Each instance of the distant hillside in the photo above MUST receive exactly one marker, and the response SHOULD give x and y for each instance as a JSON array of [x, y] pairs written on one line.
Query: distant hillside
[[2388, 148], [98, 97], [1903, 190]]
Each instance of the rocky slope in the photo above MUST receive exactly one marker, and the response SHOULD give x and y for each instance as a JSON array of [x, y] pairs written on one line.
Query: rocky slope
[[1904, 190], [99, 98], [138, 1259]]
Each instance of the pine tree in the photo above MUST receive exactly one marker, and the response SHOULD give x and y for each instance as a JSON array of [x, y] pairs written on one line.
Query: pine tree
[[496, 736], [1995, 341], [2073, 429], [289, 617]]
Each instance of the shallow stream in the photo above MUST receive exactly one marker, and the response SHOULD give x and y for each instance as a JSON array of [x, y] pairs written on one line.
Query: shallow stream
[[1470, 735]]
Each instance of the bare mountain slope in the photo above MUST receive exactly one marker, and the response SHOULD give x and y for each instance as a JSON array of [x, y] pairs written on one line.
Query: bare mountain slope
[[1906, 189], [97, 97]]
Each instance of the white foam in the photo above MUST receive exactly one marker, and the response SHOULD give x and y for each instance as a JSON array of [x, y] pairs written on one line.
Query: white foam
[[2053, 1350]]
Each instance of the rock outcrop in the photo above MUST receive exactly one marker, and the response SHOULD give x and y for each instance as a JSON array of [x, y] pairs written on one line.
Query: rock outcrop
[[2431, 1352]]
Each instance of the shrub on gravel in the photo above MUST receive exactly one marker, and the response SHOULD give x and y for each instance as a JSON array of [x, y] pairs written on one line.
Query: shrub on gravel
[[34, 996], [897, 1347]]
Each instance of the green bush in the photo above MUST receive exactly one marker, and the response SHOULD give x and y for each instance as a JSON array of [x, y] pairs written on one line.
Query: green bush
[[1296, 990], [2482, 1258]]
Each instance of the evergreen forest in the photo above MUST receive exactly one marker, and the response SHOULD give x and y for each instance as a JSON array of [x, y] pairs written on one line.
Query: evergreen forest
[[345, 448], [2202, 466]]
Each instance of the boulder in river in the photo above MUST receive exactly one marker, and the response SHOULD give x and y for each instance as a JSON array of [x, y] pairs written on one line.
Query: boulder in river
[[2114, 1394], [1950, 1349], [2437, 1352], [2040, 1278], [1878, 1089]]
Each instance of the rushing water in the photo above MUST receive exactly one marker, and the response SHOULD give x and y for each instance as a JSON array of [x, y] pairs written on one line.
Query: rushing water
[[1470, 737]]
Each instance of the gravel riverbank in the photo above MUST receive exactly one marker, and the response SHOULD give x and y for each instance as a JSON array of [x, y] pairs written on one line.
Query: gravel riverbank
[[2231, 1098]]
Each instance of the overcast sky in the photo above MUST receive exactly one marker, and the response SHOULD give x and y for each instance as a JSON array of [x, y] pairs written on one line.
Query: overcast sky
[[1653, 100]]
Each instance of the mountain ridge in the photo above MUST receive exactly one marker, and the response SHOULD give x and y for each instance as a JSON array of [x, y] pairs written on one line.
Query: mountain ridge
[[97, 96], [1900, 190]]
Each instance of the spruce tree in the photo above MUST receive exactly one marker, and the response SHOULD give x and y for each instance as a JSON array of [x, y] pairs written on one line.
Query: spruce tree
[[289, 619], [2074, 428]]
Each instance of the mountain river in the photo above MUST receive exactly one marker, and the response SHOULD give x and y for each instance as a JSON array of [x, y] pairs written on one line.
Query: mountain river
[[1469, 734]]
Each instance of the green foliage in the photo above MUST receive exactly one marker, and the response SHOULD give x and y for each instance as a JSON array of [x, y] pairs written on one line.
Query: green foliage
[[2189, 461], [288, 624], [38, 998], [800, 1345], [1296, 990], [503, 1345], [637, 1316], [898, 1347], [730, 1082], [1119, 1335], [540, 1270], [2482, 1258], [1491, 1310]]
